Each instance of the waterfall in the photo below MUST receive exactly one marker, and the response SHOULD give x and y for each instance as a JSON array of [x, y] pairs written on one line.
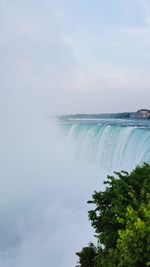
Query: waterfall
[[112, 147]]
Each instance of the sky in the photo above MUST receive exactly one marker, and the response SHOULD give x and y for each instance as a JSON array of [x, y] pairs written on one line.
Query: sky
[[69, 56], [60, 57]]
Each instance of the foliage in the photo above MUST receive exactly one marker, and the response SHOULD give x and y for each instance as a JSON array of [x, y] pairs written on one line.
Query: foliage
[[87, 256], [121, 219], [133, 245]]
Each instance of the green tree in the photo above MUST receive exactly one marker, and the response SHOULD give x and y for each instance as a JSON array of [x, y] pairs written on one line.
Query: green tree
[[121, 219], [87, 256], [123, 190], [133, 245]]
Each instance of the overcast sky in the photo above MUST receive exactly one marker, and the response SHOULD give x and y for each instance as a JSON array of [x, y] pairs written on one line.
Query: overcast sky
[[74, 56], [60, 57]]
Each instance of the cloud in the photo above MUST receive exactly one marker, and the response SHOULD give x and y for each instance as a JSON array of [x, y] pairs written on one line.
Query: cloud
[[145, 5], [109, 77], [35, 60], [47, 58]]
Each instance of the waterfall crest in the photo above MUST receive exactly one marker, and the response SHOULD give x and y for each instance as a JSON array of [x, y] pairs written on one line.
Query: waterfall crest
[[112, 147]]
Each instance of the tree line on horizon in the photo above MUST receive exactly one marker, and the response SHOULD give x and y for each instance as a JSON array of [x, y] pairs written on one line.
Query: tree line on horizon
[[139, 114]]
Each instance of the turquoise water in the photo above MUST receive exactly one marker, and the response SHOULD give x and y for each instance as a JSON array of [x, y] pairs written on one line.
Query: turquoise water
[[113, 144]]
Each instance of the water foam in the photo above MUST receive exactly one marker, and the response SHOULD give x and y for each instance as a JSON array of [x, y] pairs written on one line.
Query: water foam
[[112, 147]]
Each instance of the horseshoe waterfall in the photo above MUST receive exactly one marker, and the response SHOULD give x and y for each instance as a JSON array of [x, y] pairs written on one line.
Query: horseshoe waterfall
[[111, 144]]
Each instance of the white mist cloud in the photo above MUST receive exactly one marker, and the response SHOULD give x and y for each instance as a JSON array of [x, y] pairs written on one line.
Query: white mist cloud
[[43, 191], [43, 194]]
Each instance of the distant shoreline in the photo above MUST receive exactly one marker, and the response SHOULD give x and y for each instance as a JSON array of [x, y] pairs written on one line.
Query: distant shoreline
[[140, 114]]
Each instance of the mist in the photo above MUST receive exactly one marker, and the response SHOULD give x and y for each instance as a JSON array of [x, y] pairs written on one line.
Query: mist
[[49, 66], [43, 193], [43, 188]]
